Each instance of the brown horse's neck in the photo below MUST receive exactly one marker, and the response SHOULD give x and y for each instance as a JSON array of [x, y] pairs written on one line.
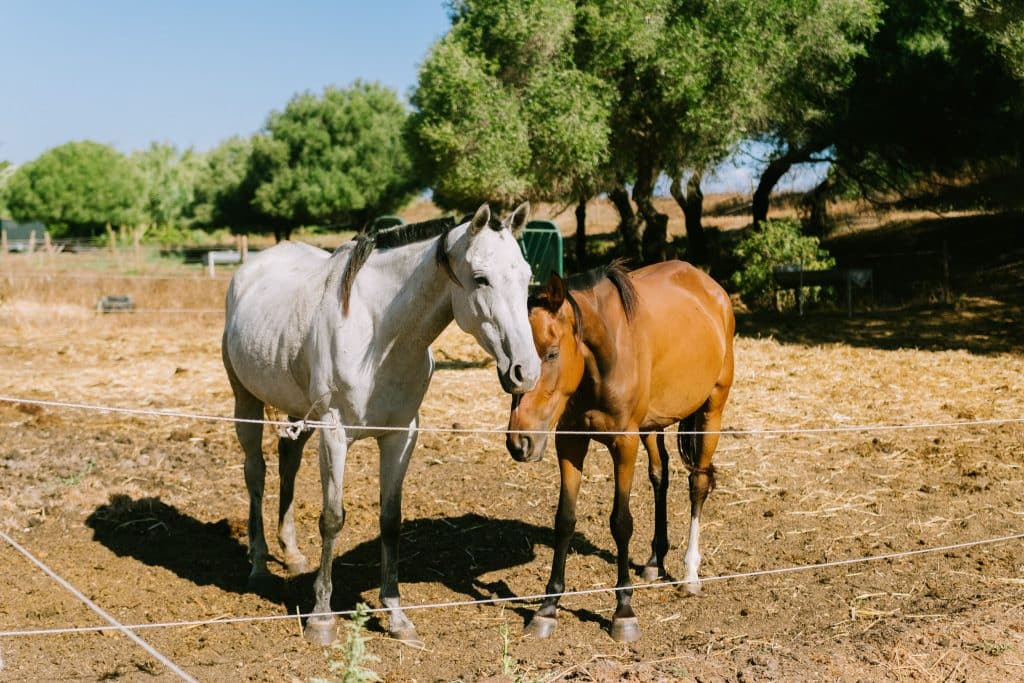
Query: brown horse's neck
[[602, 318]]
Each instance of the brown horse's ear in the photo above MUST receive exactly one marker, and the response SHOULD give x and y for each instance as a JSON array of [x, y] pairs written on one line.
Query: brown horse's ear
[[554, 293], [481, 218]]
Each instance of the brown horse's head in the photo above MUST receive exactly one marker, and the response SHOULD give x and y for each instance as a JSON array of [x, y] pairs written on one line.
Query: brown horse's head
[[555, 322]]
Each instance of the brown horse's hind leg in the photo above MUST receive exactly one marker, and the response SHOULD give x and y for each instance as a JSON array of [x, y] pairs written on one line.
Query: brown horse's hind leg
[[289, 453], [697, 451], [657, 472]]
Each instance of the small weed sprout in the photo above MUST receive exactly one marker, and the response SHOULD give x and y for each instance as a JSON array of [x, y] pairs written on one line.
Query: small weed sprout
[[347, 661], [508, 663]]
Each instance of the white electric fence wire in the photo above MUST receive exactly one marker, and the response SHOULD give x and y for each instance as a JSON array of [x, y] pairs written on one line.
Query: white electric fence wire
[[59, 275], [100, 611], [533, 598], [287, 427], [293, 428]]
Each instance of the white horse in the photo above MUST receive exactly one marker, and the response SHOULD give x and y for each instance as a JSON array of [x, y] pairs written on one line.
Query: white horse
[[344, 338]]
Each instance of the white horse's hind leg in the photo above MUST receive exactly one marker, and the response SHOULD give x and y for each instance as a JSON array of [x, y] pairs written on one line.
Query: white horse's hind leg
[[333, 450], [250, 436], [290, 457], [395, 451]]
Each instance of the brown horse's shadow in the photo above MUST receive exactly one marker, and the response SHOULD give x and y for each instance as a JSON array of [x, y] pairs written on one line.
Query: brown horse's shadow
[[453, 551]]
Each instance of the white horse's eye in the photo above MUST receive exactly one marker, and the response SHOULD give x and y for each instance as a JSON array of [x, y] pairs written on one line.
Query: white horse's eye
[[481, 280]]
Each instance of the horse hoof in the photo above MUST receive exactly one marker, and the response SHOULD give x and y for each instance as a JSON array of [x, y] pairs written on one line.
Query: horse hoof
[[407, 635], [625, 629], [692, 587], [320, 632], [650, 574], [540, 627]]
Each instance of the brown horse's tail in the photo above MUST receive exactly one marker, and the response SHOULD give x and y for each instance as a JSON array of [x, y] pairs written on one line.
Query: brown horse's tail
[[689, 449]]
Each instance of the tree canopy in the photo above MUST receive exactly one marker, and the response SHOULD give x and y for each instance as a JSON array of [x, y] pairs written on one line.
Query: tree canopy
[[225, 186], [168, 182], [336, 158], [502, 112], [563, 100], [75, 189]]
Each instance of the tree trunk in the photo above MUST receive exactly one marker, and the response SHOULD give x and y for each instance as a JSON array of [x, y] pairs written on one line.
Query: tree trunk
[[655, 224], [581, 235], [628, 228], [762, 195], [692, 204], [817, 216]]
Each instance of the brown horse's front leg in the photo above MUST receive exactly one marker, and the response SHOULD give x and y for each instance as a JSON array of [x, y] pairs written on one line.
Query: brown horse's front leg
[[571, 453], [625, 626]]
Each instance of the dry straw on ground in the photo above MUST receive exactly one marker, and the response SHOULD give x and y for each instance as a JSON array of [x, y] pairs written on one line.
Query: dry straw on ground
[[147, 515]]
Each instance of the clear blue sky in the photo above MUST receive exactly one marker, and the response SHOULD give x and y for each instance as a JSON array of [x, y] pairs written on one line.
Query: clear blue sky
[[189, 72], [193, 73]]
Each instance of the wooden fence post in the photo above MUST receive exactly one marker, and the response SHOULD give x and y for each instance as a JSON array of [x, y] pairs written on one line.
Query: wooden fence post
[[112, 239], [209, 257], [114, 251], [245, 248], [32, 242], [48, 247], [3, 244]]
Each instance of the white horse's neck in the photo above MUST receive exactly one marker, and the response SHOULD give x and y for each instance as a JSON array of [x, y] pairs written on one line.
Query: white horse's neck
[[406, 293]]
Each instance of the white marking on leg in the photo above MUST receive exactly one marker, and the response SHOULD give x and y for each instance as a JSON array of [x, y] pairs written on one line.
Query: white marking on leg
[[692, 559]]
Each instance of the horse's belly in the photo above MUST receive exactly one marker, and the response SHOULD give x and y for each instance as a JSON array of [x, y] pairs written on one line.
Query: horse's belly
[[272, 382], [685, 370]]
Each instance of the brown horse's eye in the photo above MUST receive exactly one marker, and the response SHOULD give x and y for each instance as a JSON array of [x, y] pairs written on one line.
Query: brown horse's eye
[[552, 354]]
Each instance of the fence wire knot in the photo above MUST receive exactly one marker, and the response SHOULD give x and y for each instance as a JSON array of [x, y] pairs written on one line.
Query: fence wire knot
[[293, 430]]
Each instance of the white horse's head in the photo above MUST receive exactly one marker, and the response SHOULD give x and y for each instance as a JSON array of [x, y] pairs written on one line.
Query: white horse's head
[[490, 295]]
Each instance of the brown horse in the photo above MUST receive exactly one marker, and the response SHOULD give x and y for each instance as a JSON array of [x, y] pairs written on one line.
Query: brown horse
[[621, 361]]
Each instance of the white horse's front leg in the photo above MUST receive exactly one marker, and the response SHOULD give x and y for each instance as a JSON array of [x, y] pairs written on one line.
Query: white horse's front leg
[[333, 449], [395, 450]]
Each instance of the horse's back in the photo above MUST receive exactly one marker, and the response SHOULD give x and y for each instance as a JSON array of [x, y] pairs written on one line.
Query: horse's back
[[686, 321]]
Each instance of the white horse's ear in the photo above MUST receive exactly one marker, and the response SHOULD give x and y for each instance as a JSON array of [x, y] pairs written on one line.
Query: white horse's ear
[[481, 219], [517, 221]]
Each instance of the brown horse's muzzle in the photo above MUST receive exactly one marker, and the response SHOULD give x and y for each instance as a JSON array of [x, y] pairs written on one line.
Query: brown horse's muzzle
[[526, 447], [522, 445]]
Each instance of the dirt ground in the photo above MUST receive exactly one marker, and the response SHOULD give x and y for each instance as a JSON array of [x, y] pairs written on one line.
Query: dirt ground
[[146, 516]]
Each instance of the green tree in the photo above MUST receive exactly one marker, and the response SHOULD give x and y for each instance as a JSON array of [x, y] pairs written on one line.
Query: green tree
[[822, 40], [930, 96], [1001, 22], [75, 189], [339, 158], [168, 182], [225, 187], [6, 171], [502, 113], [563, 99]]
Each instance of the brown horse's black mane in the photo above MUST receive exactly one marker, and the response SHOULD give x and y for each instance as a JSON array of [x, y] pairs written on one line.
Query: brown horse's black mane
[[396, 236], [615, 271]]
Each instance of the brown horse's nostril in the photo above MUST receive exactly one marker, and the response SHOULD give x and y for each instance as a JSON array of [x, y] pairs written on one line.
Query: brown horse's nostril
[[527, 445], [518, 446]]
